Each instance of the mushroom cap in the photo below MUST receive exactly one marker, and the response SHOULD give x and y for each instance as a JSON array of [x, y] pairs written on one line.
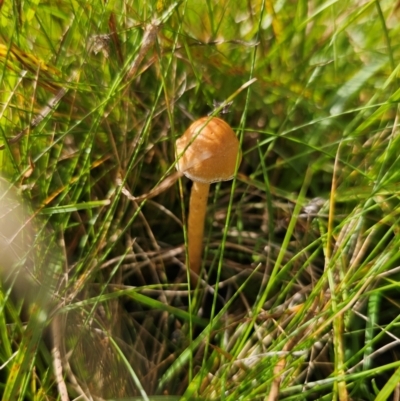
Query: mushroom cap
[[210, 151]]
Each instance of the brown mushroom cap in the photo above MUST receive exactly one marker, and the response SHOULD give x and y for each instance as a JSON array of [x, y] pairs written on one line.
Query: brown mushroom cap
[[211, 151]]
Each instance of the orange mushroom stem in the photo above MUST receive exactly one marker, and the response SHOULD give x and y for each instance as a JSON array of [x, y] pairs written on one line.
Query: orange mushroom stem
[[207, 152]]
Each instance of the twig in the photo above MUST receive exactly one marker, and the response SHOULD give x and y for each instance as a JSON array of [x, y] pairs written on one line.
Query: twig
[[164, 185], [149, 38], [57, 359], [42, 114]]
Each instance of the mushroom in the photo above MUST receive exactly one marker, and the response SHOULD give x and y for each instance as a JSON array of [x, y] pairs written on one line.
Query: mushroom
[[207, 152]]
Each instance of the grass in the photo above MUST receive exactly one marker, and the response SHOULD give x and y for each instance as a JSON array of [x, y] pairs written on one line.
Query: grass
[[300, 293]]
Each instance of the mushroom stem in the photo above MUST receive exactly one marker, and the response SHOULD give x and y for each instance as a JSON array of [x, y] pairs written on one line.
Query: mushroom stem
[[197, 213]]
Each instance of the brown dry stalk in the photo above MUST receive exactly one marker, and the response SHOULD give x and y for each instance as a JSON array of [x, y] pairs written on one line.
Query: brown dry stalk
[[280, 366], [43, 113]]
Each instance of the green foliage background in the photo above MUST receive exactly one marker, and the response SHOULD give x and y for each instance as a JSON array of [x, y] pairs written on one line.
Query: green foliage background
[[300, 298]]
